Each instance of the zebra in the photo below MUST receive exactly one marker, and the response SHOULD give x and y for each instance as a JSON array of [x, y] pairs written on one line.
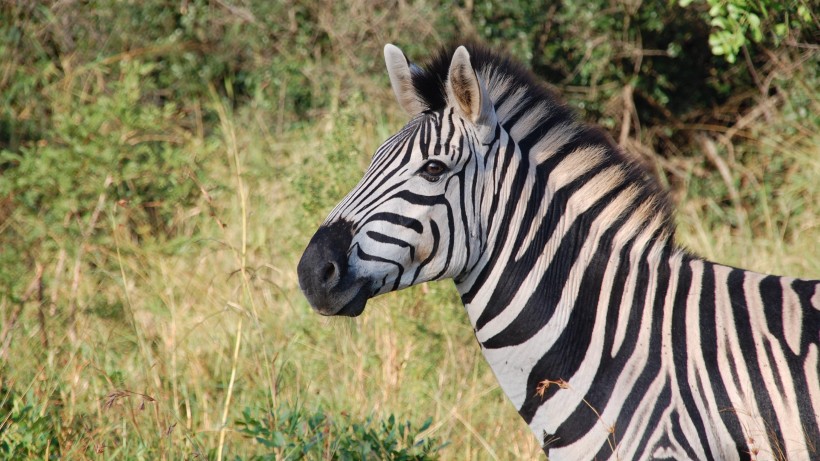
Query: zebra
[[610, 340]]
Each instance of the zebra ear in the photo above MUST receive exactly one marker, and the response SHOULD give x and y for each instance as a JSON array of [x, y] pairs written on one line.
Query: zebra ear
[[401, 79], [466, 92]]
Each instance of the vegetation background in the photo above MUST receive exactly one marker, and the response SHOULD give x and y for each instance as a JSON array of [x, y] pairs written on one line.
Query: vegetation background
[[163, 164]]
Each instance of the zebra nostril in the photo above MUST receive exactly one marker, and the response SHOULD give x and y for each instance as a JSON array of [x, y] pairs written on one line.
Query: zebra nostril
[[329, 272]]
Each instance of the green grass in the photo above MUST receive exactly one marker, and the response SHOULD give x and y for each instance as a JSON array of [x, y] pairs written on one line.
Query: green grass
[[148, 369]]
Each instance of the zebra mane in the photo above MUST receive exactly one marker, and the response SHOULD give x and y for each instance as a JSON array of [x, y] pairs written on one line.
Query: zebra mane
[[503, 77], [536, 117]]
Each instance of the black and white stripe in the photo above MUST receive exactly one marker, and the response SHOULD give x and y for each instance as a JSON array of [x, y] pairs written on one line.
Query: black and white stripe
[[612, 342]]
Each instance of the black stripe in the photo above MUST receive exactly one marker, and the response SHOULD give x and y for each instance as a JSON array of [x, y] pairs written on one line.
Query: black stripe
[[771, 294], [680, 356], [541, 304], [397, 219], [452, 128], [361, 254], [381, 238], [546, 124], [380, 198], [503, 294], [709, 348], [745, 337], [652, 368], [805, 291], [518, 181], [810, 335], [564, 359], [523, 108], [680, 437], [778, 381], [662, 402], [506, 218], [465, 223], [433, 252], [583, 418], [418, 199]]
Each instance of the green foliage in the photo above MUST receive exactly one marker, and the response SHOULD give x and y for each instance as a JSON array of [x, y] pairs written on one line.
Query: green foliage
[[736, 23], [114, 143], [109, 153], [339, 160], [28, 429], [597, 48], [294, 433]]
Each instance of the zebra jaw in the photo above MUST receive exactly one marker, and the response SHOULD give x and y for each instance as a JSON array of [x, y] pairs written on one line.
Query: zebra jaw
[[324, 275]]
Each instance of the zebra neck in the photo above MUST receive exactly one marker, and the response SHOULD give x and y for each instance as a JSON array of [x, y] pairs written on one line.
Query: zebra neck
[[542, 282], [558, 219], [546, 324]]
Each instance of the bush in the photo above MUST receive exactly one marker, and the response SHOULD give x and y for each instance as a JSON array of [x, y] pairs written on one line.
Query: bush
[[738, 24], [294, 433], [28, 429], [678, 60]]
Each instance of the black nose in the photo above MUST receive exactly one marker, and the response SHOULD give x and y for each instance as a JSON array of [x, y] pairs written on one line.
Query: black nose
[[324, 263]]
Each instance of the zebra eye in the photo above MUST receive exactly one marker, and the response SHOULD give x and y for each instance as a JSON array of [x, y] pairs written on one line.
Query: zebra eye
[[432, 170]]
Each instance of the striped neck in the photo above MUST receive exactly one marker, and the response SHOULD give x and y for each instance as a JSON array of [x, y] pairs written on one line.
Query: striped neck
[[576, 221], [570, 200]]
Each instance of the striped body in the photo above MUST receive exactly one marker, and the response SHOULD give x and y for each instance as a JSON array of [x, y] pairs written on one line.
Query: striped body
[[611, 342]]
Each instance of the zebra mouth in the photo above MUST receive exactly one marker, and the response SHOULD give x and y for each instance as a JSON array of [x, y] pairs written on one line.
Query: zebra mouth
[[346, 298], [355, 306]]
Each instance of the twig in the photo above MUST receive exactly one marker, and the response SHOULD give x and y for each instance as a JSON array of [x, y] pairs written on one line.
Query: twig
[[541, 389], [626, 118], [224, 425], [761, 109]]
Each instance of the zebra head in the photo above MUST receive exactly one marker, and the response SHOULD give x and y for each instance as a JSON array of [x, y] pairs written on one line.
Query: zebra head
[[415, 215]]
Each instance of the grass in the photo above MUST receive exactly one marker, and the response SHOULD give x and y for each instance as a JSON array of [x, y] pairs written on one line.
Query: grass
[[177, 345]]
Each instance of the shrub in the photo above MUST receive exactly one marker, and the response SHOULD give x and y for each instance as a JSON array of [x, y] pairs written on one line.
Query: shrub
[[737, 24], [28, 429], [295, 433]]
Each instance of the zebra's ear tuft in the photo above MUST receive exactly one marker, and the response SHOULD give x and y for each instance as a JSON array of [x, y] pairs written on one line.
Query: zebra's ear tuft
[[466, 92], [401, 79]]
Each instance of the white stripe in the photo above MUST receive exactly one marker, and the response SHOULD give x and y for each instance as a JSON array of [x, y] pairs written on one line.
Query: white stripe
[[554, 411], [787, 415], [744, 404], [510, 104], [811, 368], [574, 165], [553, 140], [630, 437], [584, 198], [529, 121], [716, 431], [792, 316], [629, 292], [624, 384]]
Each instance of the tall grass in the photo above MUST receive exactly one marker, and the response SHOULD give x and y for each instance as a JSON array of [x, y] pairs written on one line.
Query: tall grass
[[156, 196]]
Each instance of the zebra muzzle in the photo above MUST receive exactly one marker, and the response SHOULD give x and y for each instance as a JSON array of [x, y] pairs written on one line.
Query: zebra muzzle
[[325, 277]]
